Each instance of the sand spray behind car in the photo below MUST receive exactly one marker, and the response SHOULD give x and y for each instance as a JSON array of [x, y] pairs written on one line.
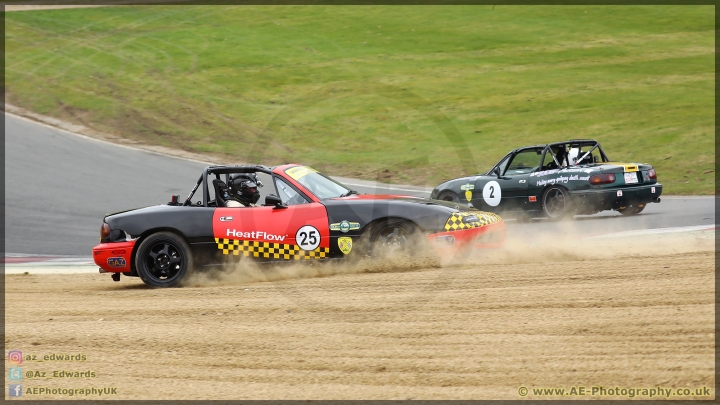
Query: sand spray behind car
[[566, 243], [248, 271], [549, 247]]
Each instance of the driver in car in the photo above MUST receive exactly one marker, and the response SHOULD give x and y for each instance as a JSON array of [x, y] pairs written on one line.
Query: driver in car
[[560, 156], [243, 191]]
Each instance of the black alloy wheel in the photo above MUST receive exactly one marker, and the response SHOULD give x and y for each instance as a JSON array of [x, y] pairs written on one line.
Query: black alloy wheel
[[392, 236], [556, 203], [163, 260]]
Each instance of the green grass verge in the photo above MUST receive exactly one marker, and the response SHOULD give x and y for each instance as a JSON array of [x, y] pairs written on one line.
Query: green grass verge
[[409, 94]]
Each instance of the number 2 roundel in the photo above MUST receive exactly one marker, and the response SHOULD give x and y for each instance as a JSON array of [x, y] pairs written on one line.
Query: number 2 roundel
[[492, 193], [308, 237]]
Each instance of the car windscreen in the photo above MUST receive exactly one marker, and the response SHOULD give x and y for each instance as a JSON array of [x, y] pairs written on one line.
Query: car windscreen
[[322, 186]]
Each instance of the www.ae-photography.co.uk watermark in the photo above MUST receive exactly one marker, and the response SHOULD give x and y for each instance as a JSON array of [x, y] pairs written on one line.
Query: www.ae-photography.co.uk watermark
[[620, 392]]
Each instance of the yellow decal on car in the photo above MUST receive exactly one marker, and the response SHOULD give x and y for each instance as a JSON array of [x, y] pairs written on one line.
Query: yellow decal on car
[[468, 188], [627, 167], [345, 244], [268, 250], [457, 220], [298, 172]]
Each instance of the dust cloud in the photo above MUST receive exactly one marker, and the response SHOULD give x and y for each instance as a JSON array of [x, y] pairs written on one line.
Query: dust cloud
[[547, 247], [247, 271], [561, 244]]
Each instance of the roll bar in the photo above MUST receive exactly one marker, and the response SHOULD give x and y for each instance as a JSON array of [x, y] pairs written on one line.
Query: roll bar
[[217, 171]]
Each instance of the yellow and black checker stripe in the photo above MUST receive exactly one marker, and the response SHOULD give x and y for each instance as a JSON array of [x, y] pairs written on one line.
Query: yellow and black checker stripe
[[267, 250], [456, 220]]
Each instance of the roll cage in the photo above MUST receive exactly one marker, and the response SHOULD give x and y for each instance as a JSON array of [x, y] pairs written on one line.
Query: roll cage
[[548, 148], [227, 171]]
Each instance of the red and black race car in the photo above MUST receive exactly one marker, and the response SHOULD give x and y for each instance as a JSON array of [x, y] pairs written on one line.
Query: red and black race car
[[309, 217]]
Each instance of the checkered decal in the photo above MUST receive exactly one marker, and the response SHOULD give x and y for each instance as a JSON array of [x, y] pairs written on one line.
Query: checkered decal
[[455, 222], [269, 250]]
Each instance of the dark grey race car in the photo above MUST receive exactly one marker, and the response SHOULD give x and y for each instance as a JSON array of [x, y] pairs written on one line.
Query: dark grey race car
[[556, 180]]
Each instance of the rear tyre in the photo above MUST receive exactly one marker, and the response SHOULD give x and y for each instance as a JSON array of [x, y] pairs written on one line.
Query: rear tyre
[[556, 203], [449, 196], [163, 260], [629, 211]]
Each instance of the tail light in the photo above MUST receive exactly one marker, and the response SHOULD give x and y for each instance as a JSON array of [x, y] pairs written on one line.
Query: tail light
[[104, 231], [602, 179], [652, 174]]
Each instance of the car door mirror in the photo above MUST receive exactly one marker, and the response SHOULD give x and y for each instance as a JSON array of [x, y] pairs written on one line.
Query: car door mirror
[[273, 200], [497, 172]]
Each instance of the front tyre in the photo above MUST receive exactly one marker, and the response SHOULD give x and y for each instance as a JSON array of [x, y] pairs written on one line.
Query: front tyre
[[629, 211], [448, 196], [556, 203], [392, 236], [163, 260]]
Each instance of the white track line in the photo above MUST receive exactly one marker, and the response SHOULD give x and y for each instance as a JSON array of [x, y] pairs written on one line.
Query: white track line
[[49, 264], [53, 270], [656, 231], [388, 187]]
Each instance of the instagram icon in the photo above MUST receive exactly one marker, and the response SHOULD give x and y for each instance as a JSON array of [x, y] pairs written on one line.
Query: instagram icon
[[15, 357]]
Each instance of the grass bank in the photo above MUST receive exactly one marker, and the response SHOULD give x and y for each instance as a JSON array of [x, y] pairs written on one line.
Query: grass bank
[[404, 94]]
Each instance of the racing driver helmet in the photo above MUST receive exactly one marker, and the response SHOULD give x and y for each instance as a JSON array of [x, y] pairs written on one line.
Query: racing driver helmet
[[244, 188]]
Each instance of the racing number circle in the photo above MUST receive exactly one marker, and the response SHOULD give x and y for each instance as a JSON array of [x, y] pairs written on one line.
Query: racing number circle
[[308, 237], [492, 193]]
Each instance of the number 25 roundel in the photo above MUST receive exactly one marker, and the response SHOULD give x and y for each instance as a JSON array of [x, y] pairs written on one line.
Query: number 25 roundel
[[308, 238]]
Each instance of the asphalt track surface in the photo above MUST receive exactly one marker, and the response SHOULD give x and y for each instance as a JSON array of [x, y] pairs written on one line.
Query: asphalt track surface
[[58, 187]]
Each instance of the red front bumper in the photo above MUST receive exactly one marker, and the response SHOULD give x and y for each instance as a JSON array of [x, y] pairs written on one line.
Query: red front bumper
[[114, 257], [482, 237]]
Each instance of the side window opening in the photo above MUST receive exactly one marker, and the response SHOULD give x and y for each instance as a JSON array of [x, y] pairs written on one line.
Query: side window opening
[[524, 162], [287, 194]]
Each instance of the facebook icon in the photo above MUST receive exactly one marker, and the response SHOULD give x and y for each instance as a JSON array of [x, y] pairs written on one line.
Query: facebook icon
[[15, 390]]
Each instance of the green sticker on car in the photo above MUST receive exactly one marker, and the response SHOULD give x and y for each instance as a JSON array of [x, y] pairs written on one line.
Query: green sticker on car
[[345, 226]]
